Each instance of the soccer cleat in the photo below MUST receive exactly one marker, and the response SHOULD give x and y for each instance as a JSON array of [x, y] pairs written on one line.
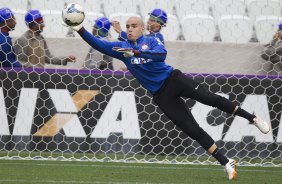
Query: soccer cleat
[[261, 125], [230, 168]]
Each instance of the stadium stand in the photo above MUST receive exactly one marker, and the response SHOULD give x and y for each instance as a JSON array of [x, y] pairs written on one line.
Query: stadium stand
[[265, 27], [228, 7], [192, 7], [15, 4], [235, 28], [92, 6], [148, 6], [264, 8], [125, 6], [216, 11], [46, 5], [171, 31], [198, 28]]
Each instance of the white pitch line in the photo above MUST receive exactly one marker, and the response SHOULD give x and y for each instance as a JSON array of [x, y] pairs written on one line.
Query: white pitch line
[[141, 167]]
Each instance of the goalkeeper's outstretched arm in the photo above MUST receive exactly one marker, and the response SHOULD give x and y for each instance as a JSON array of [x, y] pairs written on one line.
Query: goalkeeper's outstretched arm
[[102, 46]]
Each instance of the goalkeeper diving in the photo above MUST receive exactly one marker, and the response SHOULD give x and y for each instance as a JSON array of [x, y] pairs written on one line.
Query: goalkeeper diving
[[145, 59]]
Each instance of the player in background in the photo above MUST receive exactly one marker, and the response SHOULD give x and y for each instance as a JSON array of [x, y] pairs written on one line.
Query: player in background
[[145, 59], [7, 24], [273, 50], [32, 49], [95, 59], [157, 20]]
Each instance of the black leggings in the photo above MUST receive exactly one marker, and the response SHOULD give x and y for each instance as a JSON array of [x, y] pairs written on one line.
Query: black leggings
[[169, 100]]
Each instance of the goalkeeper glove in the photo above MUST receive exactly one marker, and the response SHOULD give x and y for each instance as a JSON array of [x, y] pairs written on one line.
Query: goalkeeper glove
[[127, 52], [75, 28]]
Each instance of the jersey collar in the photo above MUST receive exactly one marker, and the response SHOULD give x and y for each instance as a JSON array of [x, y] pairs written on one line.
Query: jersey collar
[[139, 40], [154, 33]]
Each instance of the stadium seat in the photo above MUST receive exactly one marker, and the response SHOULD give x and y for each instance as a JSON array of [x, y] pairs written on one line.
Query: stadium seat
[[192, 7], [124, 6], [266, 26], [47, 5], [228, 7], [21, 27], [53, 25], [235, 28], [148, 6], [264, 8], [88, 5], [170, 32], [198, 28], [89, 20], [122, 18], [15, 4]]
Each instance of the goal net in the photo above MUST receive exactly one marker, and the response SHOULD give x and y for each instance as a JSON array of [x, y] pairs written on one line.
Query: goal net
[[79, 111]]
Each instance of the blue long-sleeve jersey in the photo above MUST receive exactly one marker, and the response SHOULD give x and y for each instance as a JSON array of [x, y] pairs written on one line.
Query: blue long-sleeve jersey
[[123, 36], [7, 54], [149, 68]]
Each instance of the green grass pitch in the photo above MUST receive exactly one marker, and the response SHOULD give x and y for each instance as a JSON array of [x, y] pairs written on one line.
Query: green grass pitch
[[74, 172]]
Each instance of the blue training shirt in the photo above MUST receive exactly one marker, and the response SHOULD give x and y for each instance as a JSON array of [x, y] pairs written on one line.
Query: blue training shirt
[[149, 68], [123, 36], [7, 54]]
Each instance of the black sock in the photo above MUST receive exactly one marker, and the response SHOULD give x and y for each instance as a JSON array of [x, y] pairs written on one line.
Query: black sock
[[245, 114], [223, 160]]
